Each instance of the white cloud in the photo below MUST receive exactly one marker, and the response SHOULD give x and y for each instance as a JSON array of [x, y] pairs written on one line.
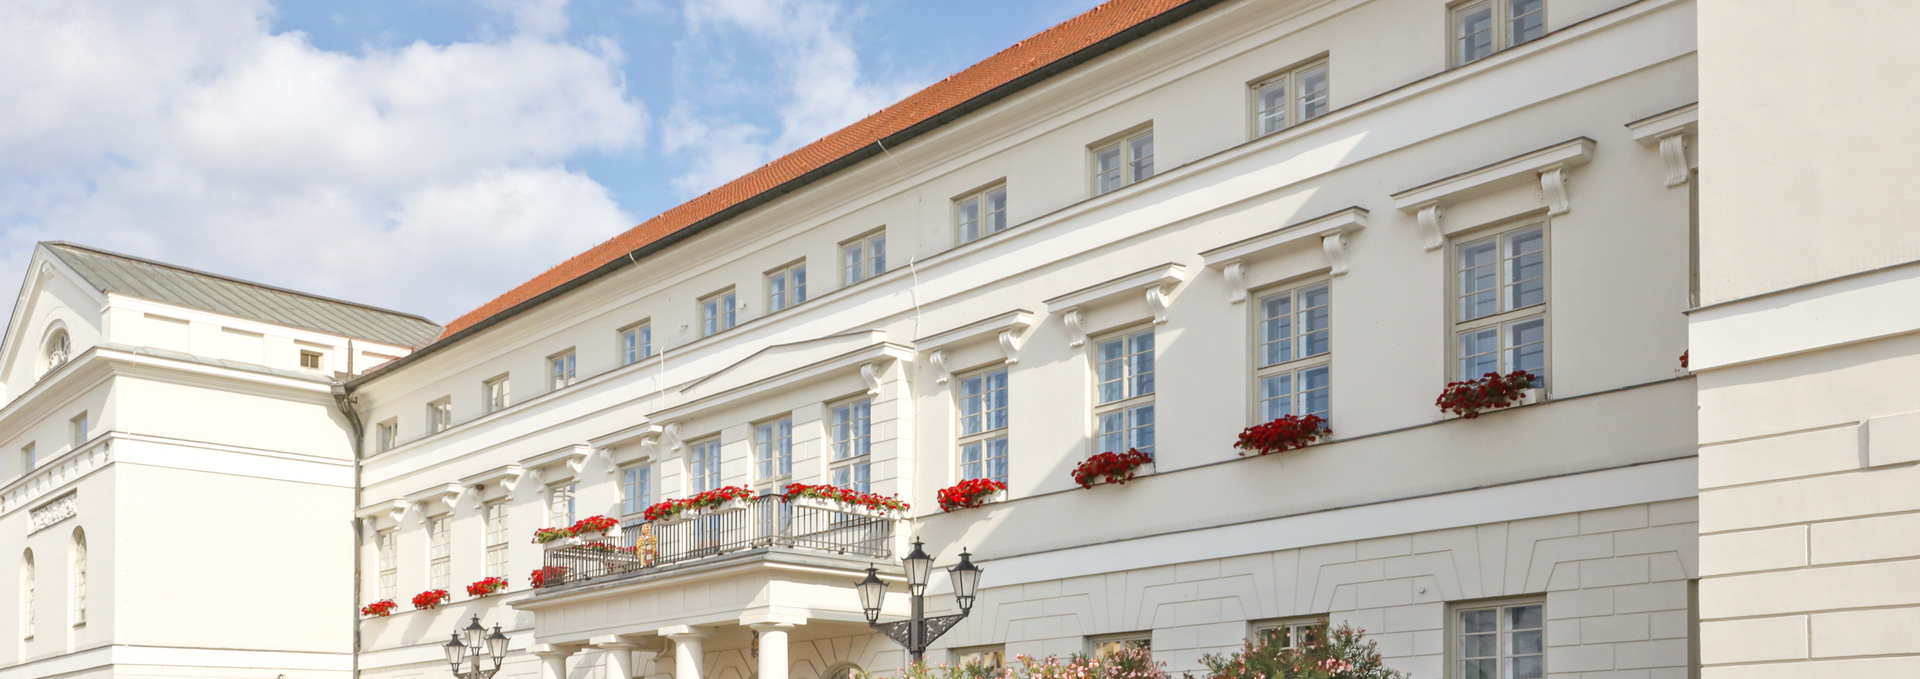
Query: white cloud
[[427, 178], [817, 84]]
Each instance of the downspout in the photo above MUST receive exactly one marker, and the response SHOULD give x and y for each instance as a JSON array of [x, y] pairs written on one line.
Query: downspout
[[344, 401]]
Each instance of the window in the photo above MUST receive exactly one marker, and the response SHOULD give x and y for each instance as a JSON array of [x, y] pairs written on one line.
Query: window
[[1295, 347], [1293, 633], [716, 313], [1122, 162], [703, 467], [1488, 26], [1101, 647], [1500, 303], [497, 393], [1123, 390], [863, 258], [636, 491], [852, 443], [636, 344], [560, 370], [312, 360], [387, 543], [59, 349], [981, 214], [1289, 98], [786, 286], [560, 505], [77, 429], [989, 659], [496, 525], [1500, 641], [983, 425], [26, 595], [79, 584], [386, 435], [440, 415], [773, 449], [440, 552], [29, 458]]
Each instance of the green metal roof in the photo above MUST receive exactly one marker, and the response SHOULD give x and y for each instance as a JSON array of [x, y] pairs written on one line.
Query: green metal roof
[[146, 279]]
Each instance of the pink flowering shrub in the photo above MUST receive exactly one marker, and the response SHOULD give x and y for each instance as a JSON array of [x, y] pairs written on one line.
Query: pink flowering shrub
[[1341, 654]]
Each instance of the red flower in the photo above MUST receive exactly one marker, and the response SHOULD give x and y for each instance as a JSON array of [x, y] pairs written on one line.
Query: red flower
[[844, 496], [1491, 391], [1286, 433], [969, 493], [379, 609], [1116, 468], [594, 524], [426, 601], [711, 498], [486, 586], [546, 535], [539, 577]]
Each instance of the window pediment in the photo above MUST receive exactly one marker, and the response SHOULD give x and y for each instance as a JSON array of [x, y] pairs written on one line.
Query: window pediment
[[1156, 284], [1548, 166], [1328, 231], [1010, 328]]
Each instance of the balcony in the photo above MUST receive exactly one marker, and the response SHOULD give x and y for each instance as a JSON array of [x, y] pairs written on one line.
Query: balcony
[[767, 521]]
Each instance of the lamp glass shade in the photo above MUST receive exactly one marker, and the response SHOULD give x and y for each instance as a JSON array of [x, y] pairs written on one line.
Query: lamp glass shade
[[873, 592], [966, 579], [919, 566], [497, 645], [456, 651], [476, 634]]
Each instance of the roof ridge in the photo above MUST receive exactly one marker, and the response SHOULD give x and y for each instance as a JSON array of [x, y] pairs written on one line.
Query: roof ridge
[[231, 279]]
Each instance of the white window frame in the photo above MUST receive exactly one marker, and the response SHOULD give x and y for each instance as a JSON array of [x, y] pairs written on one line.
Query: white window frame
[[705, 466], [1291, 631], [563, 370], [977, 445], [773, 449], [29, 457], [850, 431], [790, 294], [1509, 316], [496, 394], [636, 343], [1101, 646], [1132, 167], [636, 491], [386, 435], [719, 312], [562, 504], [387, 561], [1502, 38], [319, 360], [440, 415], [1296, 365], [1295, 105], [986, 221], [1131, 400], [863, 257], [1455, 646], [79, 584], [440, 551], [494, 523], [79, 429]]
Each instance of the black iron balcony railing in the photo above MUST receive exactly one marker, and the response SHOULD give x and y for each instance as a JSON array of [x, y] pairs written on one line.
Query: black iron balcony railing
[[767, 521]]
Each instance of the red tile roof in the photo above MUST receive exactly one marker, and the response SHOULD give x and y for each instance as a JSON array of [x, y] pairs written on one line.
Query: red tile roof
[[1109, 21]]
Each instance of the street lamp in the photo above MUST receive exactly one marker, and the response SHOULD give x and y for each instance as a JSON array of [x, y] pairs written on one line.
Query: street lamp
[[918, 631], [478, 644]]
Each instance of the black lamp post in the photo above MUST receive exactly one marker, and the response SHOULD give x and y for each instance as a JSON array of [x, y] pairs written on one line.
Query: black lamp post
[[918, 631], [478, 644]]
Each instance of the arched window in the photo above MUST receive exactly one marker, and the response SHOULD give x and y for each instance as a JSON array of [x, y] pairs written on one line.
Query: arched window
[[79, 577], [26, 595], [59, 349]]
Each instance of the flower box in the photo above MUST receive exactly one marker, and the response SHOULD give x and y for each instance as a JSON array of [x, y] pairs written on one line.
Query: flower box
[[844, 507], [379, 609], [1111, 467], [430, 599], [723, 507], [559, 543], [1142, 470], [487, 586], [1289, 432], [971, 493], [1468, 399], [608, 535], [844, 500], [716, 501]]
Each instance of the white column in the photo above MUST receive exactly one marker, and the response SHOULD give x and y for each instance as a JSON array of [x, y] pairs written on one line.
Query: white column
[[619, 655], [553, 660], [773, 649], [689, 653]]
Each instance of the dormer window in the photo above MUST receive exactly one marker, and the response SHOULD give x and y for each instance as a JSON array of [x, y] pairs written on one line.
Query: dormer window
[[59, 349]]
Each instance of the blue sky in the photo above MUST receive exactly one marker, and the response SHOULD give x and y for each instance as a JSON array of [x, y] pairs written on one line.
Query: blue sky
[[426, 155]]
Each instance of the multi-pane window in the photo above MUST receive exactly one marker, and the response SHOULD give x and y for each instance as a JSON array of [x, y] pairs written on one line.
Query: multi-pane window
[[560, 505], [1297, 634], [1500, 303], [1501, 642], [439, 416], [773, 449], [29, 458], [439, 552], [636, 491], [863, 258], [386, 435], [1290, 98], [636, 344], [496, 393], [1487, 26], [703, 467], [1122, 162], [786, 286], [78, 429], [561, 371], [852, 445], [981, 214], [496, 527], [1123, 393], [27, 585], [311, 360], [1295, 346], [989, 659], [1104, 647], [387, 544], [716, 313], [983, 425], [79, 584]]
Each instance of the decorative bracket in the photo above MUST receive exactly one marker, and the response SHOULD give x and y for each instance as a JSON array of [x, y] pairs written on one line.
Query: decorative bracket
[[420, 508], [398, 512], [1159, 298], [577, 462], [510, 480], [938, 357], [1553, 186], [1335, 245], [474, 491], [1673, 150], [870, 373], [1668, 131], [606, 458], [671, 433], [1010, 343], [539, 480], [1236, 273], [1076, 328], [1547, 166], [1429, 218]]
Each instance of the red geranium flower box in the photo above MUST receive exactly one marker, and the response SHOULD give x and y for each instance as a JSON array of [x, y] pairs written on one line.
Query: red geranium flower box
[[487, 586], [379, 609], [834, 498], [1283, 434], [428, 600], [540, 575], [1115, 468], [716, 500], [969, 494], [1491, 391]]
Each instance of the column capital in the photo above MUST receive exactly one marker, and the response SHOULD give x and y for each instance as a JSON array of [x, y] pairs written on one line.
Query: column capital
[[553, 650], [615, 641], [679, 632], [772, 626]]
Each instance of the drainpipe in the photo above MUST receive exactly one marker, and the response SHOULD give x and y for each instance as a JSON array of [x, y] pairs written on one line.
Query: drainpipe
[[344, 401]]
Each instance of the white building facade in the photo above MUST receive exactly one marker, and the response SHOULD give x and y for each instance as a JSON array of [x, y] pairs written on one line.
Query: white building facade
[[1192, 218]]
